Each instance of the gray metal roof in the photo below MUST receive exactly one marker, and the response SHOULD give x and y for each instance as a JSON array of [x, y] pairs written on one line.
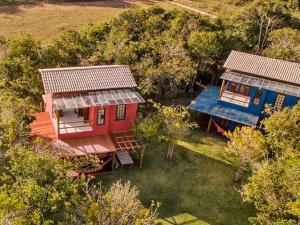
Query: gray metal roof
[[275, 69], [71, 79]]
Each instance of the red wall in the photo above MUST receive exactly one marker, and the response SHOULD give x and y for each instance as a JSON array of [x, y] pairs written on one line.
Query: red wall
[[48, 103], [111, 125], [122, 125]]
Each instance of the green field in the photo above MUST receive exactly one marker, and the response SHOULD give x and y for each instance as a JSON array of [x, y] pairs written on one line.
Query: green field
[[196, 187], [47, 21]]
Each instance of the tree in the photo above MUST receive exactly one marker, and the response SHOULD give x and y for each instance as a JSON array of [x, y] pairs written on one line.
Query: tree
[[167, 124], [148, 129], [35, 188], [18, 69], [274, 185], [283, 130], [284, 44], [274, 190], [174, 124], [206, 47], [15, 116], [256, 20], [247, 145], [119, 205]]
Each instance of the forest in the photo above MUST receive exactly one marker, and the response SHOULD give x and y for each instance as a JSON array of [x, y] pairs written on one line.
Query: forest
[[172, 54]]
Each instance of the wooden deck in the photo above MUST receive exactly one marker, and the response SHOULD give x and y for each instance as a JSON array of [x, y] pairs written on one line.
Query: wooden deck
[[83, 146], [42, 126]]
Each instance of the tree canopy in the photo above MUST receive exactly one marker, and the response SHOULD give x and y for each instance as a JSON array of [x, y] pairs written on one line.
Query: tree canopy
[[274, 185]]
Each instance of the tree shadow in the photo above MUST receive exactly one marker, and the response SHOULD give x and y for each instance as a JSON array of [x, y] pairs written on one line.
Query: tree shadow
[[192, 184], [9, 9]]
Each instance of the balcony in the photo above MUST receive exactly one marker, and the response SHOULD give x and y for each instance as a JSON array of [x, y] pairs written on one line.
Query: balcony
[[69, 123], [235, 98]]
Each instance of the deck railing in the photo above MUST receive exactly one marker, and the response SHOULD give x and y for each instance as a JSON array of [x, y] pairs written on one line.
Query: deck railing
[[60, 125], [235, 98]]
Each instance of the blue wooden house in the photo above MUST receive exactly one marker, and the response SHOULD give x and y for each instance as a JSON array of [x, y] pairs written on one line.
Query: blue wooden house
[[248, 84]]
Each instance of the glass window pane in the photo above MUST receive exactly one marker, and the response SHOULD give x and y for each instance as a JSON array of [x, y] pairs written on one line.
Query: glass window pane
[[69, 102], [101, 116], [59, 102], [121, 112], [279, 102]]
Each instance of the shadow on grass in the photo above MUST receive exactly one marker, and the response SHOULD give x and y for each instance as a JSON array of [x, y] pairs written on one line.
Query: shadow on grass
[[9, 9], [192, 188]]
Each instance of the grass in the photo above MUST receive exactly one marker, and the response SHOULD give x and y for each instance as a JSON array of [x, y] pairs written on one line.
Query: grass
[[47, 21], [215, 7], [196, 187]]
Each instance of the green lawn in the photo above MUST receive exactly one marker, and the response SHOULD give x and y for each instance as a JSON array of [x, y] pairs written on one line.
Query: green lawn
[[196, 187]]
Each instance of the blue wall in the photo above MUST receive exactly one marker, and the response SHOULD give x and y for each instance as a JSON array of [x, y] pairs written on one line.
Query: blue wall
[[268, 97]]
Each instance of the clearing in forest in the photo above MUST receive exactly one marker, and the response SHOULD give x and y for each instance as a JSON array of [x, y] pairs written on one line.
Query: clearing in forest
[[195, 187]]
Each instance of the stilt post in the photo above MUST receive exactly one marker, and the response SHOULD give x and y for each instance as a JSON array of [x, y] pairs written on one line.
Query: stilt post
[[209, 124], [113, 161], [142, 156], [222, 88], [57, 125]]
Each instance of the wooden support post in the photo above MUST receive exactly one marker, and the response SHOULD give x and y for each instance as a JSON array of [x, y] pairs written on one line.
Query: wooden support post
[[113, 161], [57, 121], [209, 124], [142, 156], [222, 88]]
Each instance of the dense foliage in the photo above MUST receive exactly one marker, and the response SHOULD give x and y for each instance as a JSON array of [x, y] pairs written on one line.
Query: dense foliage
[[167, 123], [35, 189], [119, 205], [169, 53], [274, 185], [246, 152]]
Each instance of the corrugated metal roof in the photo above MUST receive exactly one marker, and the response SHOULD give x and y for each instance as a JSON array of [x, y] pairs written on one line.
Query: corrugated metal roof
[[207, 102], [275, 69], [71, 79]]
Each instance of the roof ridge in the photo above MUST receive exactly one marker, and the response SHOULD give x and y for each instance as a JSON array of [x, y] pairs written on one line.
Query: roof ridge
[[80, 68], [263, 66]]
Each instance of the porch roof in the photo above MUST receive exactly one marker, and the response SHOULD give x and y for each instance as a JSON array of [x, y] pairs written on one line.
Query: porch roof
[[97, 98], [262, 83], [207, 102]]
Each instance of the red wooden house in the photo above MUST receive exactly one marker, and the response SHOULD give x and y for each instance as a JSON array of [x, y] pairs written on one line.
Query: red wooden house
[[88, 110]]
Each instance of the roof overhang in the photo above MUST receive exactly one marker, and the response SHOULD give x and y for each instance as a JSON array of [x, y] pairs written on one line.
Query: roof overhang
[[97, 98], [207, 102], [262, 83]]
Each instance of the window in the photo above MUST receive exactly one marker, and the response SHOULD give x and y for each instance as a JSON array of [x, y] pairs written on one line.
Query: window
[[279, 101], [101, 116], [257, 97], [239, 88], [121, 111]]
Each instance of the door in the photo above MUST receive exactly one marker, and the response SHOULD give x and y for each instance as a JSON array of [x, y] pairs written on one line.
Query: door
[[85, 114]]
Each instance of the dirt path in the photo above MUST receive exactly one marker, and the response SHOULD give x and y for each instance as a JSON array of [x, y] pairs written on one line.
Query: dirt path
[[193, 9]]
